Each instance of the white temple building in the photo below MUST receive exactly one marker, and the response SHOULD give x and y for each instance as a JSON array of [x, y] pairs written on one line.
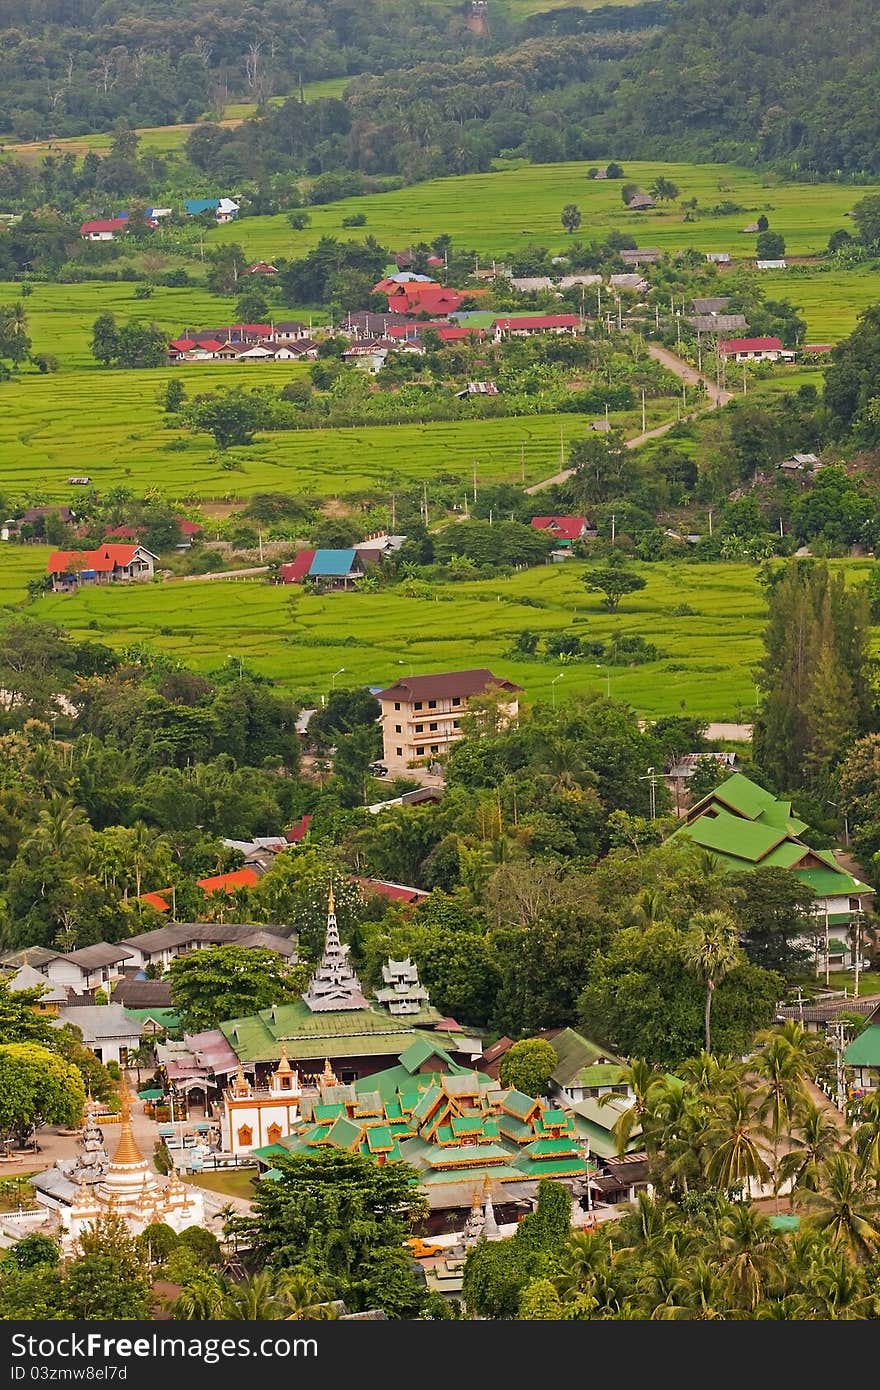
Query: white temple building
[[334, 985], [93, 1186], [255, 1116]]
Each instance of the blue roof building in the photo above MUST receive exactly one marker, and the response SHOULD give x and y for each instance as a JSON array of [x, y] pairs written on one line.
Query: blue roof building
[[193, 206], [334, 564]]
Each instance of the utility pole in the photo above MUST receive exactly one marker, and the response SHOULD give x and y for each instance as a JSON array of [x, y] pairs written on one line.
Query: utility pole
[[744, 378], [260, 543], [475, 480], [651, 777], [857, 922], [619, 318], [613, 520], [827, 948], [425, 501], [699, 351], [837, 1032], [710, 521], [522, 459], [561, 446], [644, 423]]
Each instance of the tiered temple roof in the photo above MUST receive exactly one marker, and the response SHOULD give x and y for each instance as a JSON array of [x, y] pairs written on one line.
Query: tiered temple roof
[[334, 985], [402, 992], [457, 1128]]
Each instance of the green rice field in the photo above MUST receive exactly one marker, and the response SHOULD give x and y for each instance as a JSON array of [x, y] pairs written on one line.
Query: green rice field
[[520, 205], [49, 430], [301, 640]]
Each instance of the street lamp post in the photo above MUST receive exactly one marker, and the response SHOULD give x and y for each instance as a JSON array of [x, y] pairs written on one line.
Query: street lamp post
[[553, 688], [607, 680], [230, 657], [333, 677]]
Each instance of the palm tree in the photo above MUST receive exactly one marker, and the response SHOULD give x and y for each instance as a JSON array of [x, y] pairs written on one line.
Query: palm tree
[[253, 1300], [711, 950], [814, 1141], [733, 1156], [847, 1207], [750, 1254], [62, 831], [306, 1298], [584, 1257], [202, 1301], [781, 1069], [644, 1084], [700, 1292], [866, 1139]]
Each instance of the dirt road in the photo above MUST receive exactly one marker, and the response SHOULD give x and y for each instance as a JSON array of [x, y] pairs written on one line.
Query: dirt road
[[686, 373]]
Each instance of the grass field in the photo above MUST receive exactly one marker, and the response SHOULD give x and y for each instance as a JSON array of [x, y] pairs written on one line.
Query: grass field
[[49, 430], [830, 301], [520, 205], [284, 633], [232, 1182], [300, 639]]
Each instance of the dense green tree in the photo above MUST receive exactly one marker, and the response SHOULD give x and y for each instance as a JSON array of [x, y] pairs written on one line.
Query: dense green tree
[[343, 1217], [232, 417], [528, 1065], [614, 581], [230, 982], [815, 675], [774, 912], [37, 1087]]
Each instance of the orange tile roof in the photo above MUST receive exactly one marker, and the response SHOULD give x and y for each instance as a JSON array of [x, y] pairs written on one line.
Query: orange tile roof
[[227, 883]]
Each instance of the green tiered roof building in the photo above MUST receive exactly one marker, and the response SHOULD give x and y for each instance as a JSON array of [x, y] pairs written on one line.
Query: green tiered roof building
[[460, 1129], [746, 827]]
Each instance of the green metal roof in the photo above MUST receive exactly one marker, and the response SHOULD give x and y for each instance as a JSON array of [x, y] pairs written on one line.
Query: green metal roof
[[418, 1053], [750, 802], [545, 1147], [499, 1172], [559, 1167], [379, 1139], [479, 1153], [344, 1133], [515, 1103], [864, 1051], [576, 1056], [169, 1019], [731, 835], [831, 883]]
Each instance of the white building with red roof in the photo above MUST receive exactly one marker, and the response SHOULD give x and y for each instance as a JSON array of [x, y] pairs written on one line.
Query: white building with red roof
[[755, 350], [524, 325], [110, 563]]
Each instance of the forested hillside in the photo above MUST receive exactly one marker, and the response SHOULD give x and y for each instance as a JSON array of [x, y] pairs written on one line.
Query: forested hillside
[[793, 84]]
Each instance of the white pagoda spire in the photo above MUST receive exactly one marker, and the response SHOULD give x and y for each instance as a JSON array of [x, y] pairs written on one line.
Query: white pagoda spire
[[334, 985]]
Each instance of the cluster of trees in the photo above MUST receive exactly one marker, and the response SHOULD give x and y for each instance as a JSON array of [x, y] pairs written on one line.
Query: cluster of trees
[[131, 344]]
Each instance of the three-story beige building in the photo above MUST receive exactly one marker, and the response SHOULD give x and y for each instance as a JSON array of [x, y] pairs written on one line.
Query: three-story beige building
[[421, 715]]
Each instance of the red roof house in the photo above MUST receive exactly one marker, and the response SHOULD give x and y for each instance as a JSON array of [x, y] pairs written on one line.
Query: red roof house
[[123, 533], [157, 899], [188, 528], [261, 268], [754, 349], [565, 529], [398, 892], [103, 228], [524, 324], [295, 571], [228, 883], [109, 560]]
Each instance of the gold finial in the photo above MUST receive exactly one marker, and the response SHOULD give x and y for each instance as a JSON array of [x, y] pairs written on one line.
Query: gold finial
[[241, 1087], [328, 1076], [283, 1063], [331, 902]]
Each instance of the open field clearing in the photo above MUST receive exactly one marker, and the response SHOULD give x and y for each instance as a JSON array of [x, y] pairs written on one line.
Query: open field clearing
[[301, 639], [60, 317], [50, 429], [520, 205], [830, 301]]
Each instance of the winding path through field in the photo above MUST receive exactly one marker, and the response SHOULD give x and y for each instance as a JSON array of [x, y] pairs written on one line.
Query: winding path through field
[[686, 373]]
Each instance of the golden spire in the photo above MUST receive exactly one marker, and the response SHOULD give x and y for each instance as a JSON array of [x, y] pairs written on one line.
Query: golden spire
[[328, 1076], [331, 902], [127, 1150], [241, 1087], [283, 1063]]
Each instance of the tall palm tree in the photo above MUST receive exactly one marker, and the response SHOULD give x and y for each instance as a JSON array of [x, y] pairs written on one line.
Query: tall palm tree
[[847, 1207], [733, 1154], [866, 1139], [583, 1258], [711, 950], [700, 1292], [750, 1254], [306, 1298], [62, 831], [781, 1069], [814, 1140], [644, 1083], [201, 1301]]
